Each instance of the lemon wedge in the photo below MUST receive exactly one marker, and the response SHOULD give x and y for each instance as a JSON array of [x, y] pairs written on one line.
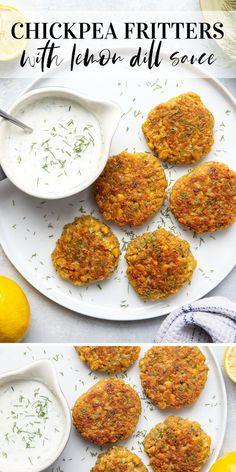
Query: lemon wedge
[[10, 48], [230, 362]]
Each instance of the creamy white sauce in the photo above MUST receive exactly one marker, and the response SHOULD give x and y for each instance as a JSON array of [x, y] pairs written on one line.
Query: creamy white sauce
[[31, 423], [62, 150]]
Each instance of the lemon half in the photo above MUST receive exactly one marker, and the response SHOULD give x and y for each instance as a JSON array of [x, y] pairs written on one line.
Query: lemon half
[[10, 48], [230, 362], [14, 311]]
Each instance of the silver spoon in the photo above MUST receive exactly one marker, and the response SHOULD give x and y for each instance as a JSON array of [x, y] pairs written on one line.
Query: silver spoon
[[16, 122]]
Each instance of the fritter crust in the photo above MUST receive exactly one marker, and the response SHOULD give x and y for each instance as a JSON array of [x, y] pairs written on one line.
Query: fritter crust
[[108, 412], [177, 445], [205, 199], [180, 130], [131, 188], [159, 264], [108, 359], [173, 376], [86, 252], [118, 459]]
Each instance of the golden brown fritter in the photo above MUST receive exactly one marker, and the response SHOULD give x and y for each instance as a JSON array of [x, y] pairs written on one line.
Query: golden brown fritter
[[159, 264], [131, 188], [108, 359], [180, 131], [177, 445], [108, 412], [86, 252], [205, 199], [118, 459], [173, 376]]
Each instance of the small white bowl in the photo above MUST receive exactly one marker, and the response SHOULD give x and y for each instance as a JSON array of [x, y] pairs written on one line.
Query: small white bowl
[[108, 115], [43, 371]]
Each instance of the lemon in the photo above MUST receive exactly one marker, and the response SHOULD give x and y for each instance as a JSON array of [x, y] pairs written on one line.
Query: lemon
[[14, 311], [226, 463], [230, 362], [10, 47]]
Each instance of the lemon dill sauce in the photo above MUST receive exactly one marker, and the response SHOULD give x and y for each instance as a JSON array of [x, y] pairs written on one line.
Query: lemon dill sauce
[[62, 148], [32, 423]]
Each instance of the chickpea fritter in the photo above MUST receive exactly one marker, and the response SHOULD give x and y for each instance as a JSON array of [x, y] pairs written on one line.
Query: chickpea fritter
[[110, 359], [180, 130], [177, 445], [173, 376], [108, 412], [159, 264], [118, 459], [205, 199], [131, 188], [86, 252]]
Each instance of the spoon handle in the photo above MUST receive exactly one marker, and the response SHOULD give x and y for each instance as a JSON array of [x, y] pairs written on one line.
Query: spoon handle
[[2, 175], [10, 118]]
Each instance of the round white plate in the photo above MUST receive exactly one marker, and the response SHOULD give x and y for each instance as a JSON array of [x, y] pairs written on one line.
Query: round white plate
[[210, 410], [29, 227]]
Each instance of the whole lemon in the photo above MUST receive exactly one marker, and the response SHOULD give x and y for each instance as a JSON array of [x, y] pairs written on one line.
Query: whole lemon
[[14, 311], [226, 463]]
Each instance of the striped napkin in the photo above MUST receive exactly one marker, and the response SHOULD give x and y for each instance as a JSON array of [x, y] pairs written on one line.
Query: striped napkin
[[207, 320]]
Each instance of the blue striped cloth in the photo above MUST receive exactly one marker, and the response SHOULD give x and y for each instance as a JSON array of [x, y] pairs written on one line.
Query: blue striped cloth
[[207, 320]]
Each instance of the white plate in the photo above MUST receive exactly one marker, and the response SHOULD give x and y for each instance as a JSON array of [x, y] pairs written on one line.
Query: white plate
[[210, 410], [29, 228]]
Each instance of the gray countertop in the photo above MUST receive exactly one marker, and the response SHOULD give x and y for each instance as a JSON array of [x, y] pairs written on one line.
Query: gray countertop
[[50, 322]]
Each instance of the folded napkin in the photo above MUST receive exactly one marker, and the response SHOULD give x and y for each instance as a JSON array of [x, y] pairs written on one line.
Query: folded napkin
[[208, 320]]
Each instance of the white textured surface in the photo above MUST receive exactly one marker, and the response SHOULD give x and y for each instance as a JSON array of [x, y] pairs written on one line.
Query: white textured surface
[[51, 322]]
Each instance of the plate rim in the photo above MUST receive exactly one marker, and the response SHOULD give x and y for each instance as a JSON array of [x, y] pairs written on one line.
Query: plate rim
[[225, 399], [110, 314]]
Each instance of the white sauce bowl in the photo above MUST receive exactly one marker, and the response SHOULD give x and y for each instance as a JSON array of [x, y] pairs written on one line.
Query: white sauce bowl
[[42, 371], [63, 156]]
